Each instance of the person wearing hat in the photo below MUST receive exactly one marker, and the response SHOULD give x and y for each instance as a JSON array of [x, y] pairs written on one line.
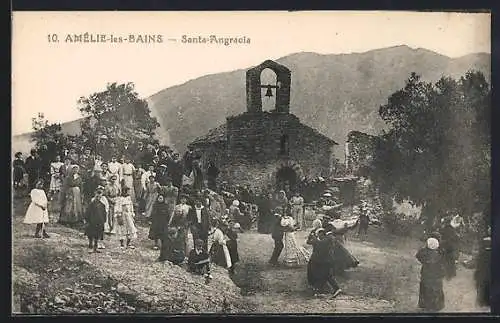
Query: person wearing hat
[[450, 245], [277, 234], [431, 294], [95, 218], [161, 175], [197, 175]]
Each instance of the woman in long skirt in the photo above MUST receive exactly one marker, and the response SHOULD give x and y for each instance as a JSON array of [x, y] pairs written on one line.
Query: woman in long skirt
[[294, 254], [55, 176], [127, 171], [37, 212], [159, 221], [139, 171], [71, 204], [297, 209], [151, 195], [124, 219], [319, 266], [431, 295], [219, 252]]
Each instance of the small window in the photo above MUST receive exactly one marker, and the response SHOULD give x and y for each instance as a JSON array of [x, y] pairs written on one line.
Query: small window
[[284, 145]]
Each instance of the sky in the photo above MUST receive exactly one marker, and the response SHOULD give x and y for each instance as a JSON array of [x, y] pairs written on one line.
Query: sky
[[49, 77]]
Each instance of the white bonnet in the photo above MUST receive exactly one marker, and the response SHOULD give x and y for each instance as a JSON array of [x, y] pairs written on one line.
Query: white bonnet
[[432, 243]]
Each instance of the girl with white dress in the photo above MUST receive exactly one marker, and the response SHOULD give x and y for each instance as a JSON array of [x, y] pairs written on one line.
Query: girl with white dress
[[55, 176], [37, 212]]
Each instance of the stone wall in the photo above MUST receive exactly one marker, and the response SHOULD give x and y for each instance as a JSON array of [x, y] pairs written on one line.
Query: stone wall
[[253, 151]]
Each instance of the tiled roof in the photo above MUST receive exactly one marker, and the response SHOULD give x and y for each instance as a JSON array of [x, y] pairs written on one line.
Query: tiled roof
[[217, 134]]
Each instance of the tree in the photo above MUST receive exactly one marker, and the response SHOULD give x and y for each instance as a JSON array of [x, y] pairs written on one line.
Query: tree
[[118, 113], [436, 152], [45, 134]]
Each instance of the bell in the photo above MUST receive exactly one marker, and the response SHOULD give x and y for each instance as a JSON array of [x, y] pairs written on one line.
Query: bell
[[269, 92]]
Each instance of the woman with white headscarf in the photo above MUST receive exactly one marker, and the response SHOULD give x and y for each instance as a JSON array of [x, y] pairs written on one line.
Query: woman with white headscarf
[[431, 295]]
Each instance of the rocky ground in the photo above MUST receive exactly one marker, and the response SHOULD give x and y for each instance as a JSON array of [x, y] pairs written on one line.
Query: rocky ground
[[58, 275]]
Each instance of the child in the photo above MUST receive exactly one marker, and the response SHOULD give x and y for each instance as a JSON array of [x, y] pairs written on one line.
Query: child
[[198, 261], [37, 211], [95, 217], [124, 216]]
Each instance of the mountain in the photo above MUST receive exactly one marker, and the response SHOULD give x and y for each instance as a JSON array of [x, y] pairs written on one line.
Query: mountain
[[334, 93]]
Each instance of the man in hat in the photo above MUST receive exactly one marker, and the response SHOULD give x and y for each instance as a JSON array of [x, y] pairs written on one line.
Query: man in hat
[[199, 222], [161, 175], [277, 234]]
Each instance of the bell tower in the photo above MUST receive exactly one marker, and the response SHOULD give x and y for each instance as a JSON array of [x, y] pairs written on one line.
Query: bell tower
[[281, 88]]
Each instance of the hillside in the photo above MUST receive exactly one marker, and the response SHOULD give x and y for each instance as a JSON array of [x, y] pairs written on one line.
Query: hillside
[[332, 93]]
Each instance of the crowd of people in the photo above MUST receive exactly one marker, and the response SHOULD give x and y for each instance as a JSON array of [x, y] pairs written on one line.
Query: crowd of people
[[194, 220]]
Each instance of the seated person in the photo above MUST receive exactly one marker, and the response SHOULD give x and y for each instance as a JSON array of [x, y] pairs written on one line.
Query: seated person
[[199, 261], [172, 248]]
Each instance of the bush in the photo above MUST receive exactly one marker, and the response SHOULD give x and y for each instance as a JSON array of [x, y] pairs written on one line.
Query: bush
[[400, 223]]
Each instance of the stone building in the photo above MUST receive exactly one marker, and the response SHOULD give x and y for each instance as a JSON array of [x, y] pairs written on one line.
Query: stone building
[[261, 148]]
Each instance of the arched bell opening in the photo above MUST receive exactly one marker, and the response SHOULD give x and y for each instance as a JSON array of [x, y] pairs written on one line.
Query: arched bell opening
[[269, 85]]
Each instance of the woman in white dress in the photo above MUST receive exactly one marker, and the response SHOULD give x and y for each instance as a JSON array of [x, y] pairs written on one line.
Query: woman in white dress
[[37, 212], [55, 176], [297, 208], [124, 220], [127, 171], [294, 254]]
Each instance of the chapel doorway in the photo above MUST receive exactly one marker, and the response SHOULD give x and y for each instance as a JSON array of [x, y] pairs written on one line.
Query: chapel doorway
[[287, 180]]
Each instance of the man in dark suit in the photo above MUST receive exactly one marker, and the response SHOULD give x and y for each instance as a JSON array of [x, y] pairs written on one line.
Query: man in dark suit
[[33, 165], [199, 221], [127, 150], [277, 234]]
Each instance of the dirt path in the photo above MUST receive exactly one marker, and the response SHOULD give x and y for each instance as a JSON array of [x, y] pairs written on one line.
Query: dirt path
[[386, 281]]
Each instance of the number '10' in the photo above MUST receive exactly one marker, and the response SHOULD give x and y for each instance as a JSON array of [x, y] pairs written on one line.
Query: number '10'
[[52, 38]]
